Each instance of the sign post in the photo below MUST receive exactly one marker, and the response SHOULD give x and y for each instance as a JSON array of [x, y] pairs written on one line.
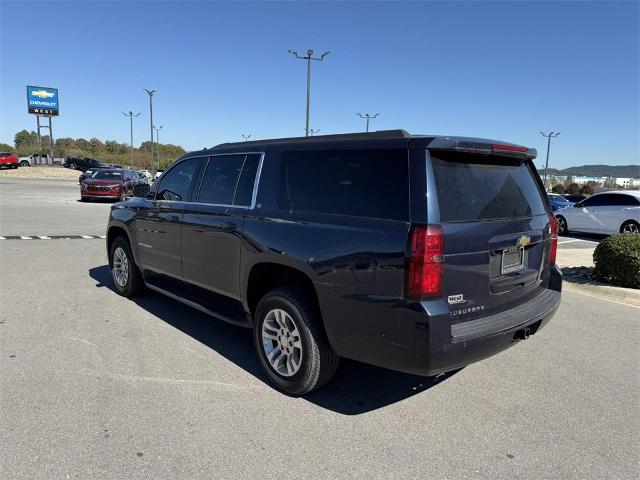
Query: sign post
[[43, 101]]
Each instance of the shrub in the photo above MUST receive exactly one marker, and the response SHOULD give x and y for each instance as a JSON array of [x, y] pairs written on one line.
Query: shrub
[[586, 189], [617, 260], [558, 189], [572, 188]]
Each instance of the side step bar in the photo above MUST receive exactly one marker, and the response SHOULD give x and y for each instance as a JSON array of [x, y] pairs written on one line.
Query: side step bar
[[197, 306]]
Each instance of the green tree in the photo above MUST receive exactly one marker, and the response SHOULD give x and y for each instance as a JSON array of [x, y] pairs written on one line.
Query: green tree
[[95, 146], [25, 140], [7, 148], [559, 188]]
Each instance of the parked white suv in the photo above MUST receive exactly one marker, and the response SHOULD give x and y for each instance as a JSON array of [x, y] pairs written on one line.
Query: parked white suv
[[605, 213]]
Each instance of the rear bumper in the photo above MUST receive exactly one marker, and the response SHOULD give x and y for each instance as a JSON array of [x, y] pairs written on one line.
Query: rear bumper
[[423, 338]]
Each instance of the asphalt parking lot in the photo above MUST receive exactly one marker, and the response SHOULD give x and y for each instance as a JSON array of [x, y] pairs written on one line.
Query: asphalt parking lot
[[93, 385]]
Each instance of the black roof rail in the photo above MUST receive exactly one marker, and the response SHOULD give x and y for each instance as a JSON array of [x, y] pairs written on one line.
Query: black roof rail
[[381, 134]]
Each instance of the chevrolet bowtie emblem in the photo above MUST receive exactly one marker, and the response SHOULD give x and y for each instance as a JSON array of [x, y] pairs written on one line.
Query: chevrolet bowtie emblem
[[523, 241]]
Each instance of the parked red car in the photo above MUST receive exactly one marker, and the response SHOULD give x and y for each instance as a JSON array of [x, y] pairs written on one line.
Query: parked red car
[[108, 183], [8, 160]]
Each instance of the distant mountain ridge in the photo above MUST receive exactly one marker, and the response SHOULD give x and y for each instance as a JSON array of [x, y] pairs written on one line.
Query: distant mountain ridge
[[621, 171]]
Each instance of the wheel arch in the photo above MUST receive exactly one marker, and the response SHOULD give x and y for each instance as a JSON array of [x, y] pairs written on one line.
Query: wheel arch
[[265, 276]]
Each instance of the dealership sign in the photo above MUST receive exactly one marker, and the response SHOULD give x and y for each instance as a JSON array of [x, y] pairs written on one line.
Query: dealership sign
[[42, 100]]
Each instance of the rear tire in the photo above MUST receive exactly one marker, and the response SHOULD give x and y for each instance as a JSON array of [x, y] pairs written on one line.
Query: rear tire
[[126, 277], [291, 343], [630, 227], [24, 164], [562, 225]]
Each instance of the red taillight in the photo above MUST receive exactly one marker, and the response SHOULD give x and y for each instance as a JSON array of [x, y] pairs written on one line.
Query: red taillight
[[426, 261], [509, 148], [553, 223]]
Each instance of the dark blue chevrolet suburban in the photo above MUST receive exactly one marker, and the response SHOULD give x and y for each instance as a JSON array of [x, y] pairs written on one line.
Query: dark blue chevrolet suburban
[[420, 254]]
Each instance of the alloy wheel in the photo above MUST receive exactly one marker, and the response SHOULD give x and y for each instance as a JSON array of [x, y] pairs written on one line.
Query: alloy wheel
[[120, 267], [562, 226], [282, 342], [631, 228]]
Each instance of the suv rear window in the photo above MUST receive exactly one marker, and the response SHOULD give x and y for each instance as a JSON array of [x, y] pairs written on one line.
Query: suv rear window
[[364, 183], [472, 188]]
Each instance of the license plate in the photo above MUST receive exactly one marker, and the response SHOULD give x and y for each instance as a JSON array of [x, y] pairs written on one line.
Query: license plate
[[512, 260]]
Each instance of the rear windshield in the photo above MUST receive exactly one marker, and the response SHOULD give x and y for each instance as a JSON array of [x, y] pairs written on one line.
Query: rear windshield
[[474, 188], [107, 175]]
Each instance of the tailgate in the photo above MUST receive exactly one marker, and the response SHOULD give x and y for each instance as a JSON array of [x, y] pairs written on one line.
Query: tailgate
[[496, 231]]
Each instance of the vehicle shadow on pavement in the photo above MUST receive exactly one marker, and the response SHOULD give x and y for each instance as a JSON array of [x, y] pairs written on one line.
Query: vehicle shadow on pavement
[[357, 388]]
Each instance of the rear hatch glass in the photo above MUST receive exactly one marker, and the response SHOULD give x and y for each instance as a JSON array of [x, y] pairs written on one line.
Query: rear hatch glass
[[496, 227]]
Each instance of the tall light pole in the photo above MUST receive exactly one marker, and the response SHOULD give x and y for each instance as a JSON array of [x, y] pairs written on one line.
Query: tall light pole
[[157, 129], [308, 57], [151, 93], [549, 136], [246, 137], [131, 115], [368, 117]]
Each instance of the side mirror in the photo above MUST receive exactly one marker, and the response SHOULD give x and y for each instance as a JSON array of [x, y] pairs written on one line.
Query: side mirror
[[141, 190]]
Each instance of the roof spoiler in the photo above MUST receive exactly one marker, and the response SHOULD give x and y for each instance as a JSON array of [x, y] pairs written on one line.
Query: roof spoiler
[[483, 147]]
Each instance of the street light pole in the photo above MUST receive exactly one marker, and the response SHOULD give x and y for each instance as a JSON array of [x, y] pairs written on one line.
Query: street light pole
[[549, 136], [246, 137], [368, 117], [308, 57], [151, 93], [157, 129], [131, 115]]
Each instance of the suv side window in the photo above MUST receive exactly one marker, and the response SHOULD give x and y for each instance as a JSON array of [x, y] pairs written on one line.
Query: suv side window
[[363, 183], [176, 183], [229, 180]]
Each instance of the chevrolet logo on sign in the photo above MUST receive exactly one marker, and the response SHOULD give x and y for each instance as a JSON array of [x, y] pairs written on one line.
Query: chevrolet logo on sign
[[523, 241]]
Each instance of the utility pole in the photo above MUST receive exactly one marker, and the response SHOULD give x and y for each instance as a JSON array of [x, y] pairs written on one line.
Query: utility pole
[[549, 136], [151, 93], [367, 117], [157, 129], [308, 57], [131, 115], [246, 137]]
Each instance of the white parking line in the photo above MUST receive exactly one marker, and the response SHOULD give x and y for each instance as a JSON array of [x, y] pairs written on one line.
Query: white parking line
[[44, 237], [87, 236], [22, 237], [576, 240]]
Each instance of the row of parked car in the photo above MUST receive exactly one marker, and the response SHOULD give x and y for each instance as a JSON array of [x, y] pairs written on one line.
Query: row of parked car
[[605, 213], [112, 183]]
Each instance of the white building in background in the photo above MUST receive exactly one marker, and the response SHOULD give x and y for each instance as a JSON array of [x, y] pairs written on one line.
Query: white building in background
[[623, 181], [581, 180], [635, 182]]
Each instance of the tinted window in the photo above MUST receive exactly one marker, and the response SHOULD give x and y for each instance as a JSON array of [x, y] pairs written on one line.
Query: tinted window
[[175, 184], [107, 175], [626, 200], [474, 188], [229, 179], [601, 200], [366, 183]]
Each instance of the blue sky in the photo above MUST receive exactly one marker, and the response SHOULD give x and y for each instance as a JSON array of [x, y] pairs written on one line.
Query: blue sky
[[503, 70]]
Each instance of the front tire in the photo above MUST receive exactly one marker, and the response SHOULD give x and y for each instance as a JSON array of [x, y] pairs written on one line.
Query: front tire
[[125, 274], [291, 344], [24, 164], [562, 225], [630, 227]]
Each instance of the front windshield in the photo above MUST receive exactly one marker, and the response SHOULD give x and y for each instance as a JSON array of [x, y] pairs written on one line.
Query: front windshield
[[107, 175]]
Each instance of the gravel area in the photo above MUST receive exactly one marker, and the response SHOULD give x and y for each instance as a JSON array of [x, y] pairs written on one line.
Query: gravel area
[[58, 173]]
